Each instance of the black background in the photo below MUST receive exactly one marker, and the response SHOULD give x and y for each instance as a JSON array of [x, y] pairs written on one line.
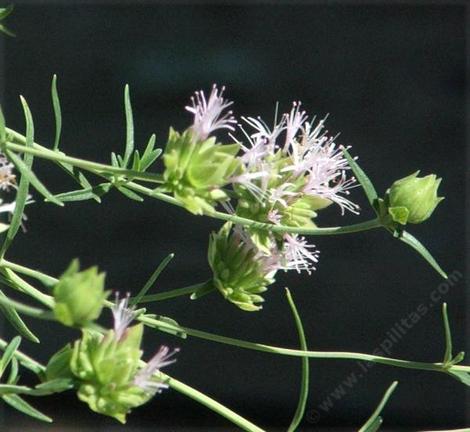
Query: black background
[[392, 78]]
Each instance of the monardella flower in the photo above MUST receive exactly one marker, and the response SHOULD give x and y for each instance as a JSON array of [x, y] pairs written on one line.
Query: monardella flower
[[209, 114], [293, 169], [7, 178], [298, 254], [145, 379], [122, 314], [196, 171]]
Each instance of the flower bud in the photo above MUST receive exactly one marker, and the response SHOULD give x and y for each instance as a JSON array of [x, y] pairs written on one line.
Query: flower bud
[[195, 171], [79, 295], [240, 272], [412, 199], [105, 367]]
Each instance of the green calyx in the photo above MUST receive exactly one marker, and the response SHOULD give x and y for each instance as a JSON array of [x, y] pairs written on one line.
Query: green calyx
[[196, 171], [79, 295], [238, 273], [105, 367], [413, 199]]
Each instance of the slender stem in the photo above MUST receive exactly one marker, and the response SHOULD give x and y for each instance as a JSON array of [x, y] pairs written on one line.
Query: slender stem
[[211, 404], [103, 169], [42, 277], [45, 153], [16, 282], [155, 323], [348, 229], [438, 367]]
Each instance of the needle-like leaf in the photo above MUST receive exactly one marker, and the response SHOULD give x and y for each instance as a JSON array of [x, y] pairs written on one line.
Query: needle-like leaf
[[375, 420], [57, 112], [303, 395]]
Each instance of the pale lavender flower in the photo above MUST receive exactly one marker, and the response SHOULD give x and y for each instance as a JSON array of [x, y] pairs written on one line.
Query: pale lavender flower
[[122, 314], [7, 178], [294, 121], [145, 377], [10, 208], [298, 254], [263, 133], [208, 113]]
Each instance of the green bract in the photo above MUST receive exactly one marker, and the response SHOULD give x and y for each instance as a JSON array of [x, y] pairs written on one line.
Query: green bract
[[105, 368], [413, 199], [79, 295], [237, 271], [195, 171]]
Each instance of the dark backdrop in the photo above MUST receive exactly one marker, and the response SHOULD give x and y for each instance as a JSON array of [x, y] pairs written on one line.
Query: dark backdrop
[[392, 78]]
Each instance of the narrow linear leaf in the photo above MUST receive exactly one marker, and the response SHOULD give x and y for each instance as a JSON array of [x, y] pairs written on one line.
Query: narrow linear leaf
[[77, 175], [362, 179], [58, 385], [375, 420], [205, 289], [21, 405], [129, 194], [23, 187], [15, 320], [462, 376], [448, 335], [32, 178], [150, 154], [57, 112], [94, 192], [176, 329], [412, 241], [151, 280], [129, 127], [13, 376], [3, 132], [114, 160], [304, 384], [9, 353], [11, 389]]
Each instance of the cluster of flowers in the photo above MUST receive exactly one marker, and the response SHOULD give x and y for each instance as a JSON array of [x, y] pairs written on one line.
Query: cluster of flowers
[[106, 368], [281, 175]]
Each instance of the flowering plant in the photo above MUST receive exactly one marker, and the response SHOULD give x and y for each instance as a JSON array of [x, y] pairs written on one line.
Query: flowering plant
[[267, 185]]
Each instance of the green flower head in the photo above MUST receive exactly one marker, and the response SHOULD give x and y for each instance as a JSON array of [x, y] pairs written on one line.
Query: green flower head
[[195, 171], [79, 295], [413, 199], [240, 272], [196, 166], [108, 369]]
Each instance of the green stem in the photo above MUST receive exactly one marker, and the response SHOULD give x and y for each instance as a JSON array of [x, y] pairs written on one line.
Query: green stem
[[437, 367], [155, 323], [41, 277], [349, 229], [211, 404], [16, 282], [103, 169], [45, 153]]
